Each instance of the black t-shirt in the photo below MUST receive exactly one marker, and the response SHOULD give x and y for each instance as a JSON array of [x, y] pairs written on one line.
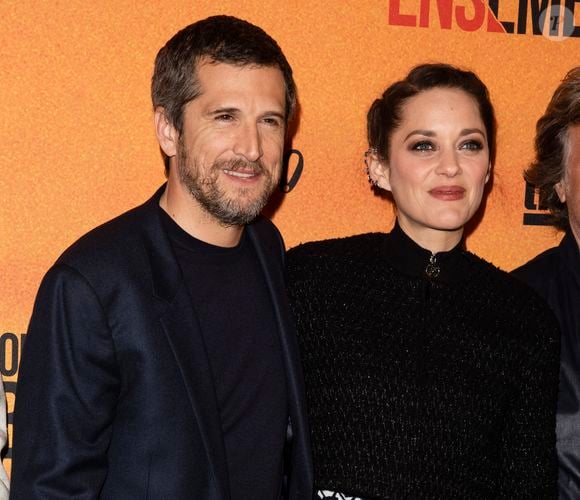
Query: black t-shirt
[[234, 308]]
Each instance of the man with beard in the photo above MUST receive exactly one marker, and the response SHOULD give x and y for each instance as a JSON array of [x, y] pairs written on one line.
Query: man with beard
[[160, 360]]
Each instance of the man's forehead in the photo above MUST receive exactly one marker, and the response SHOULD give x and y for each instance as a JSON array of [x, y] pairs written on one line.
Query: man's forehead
[[222, 79], [207, 66]]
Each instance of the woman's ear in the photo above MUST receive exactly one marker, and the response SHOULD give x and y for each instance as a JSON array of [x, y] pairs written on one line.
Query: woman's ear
[[488, 175], [560, 188], [378, 170], [167, 135]]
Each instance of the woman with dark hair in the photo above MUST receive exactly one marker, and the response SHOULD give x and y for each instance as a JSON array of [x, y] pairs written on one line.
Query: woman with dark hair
[[555, 273], [430, 374]]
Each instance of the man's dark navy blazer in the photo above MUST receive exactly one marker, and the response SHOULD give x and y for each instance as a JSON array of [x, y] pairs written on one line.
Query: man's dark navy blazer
[[115, 398]]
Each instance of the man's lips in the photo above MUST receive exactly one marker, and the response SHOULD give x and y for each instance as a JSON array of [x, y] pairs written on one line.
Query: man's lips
[[241, 174], [448, 193]]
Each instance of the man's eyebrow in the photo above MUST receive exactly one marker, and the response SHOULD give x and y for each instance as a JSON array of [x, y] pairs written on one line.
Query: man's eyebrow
[[220, 111], [233, 111]]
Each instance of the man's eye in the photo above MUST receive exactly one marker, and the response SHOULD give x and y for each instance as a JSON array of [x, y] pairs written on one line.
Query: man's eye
[[224, 117], [272, 121], [423, 146]]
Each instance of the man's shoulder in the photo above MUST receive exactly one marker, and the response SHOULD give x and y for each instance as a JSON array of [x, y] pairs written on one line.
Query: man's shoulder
[[539, 270], [496, 282], [121, 238]]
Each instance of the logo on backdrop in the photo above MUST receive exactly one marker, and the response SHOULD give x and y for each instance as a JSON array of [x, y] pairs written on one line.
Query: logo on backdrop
[[10, 348], [534, 214], [553, 19]]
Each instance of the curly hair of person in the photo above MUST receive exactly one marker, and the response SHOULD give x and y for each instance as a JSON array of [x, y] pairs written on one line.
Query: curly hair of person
[[552, 146]]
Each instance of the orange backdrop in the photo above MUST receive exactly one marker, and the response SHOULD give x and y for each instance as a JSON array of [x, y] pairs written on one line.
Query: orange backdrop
[[77, 138]]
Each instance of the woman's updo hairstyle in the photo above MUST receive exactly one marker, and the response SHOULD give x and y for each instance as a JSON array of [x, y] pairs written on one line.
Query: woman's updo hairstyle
[[385, 114]]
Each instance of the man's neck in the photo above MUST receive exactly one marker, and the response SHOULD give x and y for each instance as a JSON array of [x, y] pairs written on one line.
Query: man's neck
[[194, 220]]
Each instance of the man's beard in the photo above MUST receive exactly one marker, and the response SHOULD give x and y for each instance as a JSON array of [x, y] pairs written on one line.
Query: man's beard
[[236, 210]]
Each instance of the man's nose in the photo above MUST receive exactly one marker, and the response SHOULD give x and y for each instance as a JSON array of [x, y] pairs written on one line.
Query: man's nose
[[249, 143]]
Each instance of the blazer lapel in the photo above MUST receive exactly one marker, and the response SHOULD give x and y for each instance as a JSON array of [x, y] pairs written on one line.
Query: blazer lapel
[[181, 327], [302, 475]]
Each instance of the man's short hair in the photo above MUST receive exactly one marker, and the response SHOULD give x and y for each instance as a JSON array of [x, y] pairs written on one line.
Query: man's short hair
[[217, 39], [552, 146]]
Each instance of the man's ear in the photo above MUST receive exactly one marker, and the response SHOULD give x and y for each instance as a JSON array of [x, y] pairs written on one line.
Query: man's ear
[[167, 135], [560, 188], [378, 170]]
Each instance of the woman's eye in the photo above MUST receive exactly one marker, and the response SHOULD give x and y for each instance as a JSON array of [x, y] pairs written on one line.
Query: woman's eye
[[423, 146], [472, 145]]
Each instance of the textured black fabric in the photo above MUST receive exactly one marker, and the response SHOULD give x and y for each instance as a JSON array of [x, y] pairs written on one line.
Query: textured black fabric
[[555, 275], [424, 388]]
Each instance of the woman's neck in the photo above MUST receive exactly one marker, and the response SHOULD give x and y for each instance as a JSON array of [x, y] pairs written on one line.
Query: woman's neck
[[434, 240]]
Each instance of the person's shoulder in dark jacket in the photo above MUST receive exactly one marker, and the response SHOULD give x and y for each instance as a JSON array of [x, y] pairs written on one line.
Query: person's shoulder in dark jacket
[[540, 270]]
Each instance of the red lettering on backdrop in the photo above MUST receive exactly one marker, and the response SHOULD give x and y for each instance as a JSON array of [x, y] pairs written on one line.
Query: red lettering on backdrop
[[444, 7], [445, 13], [396, 18], [424, 14], [470, 24], [493, 24]]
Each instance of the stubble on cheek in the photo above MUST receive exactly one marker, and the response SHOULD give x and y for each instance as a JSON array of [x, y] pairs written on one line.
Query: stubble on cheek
[[239, 207]]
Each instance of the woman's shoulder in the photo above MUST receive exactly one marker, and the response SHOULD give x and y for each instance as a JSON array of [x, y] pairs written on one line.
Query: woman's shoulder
[[356, 246], [336, 260], [514, 299], [504, 283]]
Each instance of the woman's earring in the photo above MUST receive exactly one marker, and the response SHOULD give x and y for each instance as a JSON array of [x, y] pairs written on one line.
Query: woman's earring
[[372, 182], [370, 152]]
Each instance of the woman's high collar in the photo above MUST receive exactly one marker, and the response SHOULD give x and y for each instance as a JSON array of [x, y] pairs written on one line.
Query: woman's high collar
[[411, 259]]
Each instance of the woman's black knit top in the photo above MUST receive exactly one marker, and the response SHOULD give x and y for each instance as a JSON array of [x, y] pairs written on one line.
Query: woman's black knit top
[[424, 387]]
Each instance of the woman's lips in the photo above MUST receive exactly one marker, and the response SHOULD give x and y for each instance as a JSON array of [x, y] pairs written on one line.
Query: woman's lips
[[447, 193]]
